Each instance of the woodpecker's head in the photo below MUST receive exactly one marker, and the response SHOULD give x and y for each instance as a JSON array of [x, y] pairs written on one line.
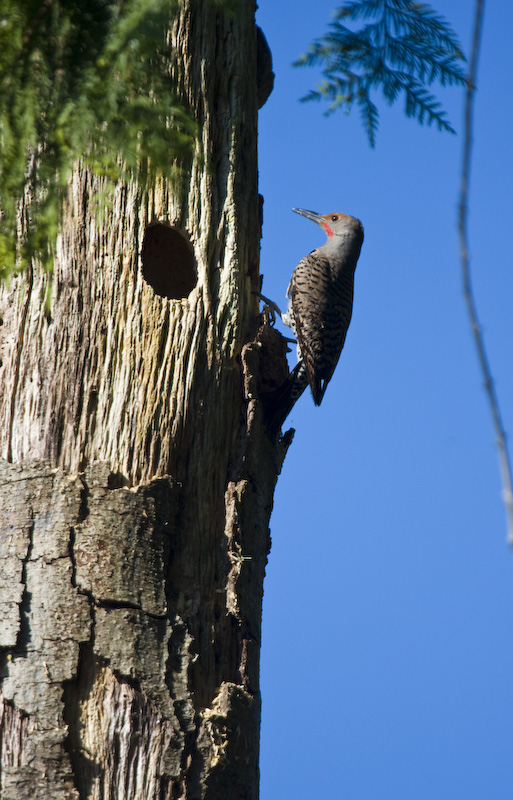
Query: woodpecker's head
[[335, 225]]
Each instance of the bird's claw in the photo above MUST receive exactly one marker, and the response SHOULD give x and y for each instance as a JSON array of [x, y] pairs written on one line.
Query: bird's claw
[[270, 308]]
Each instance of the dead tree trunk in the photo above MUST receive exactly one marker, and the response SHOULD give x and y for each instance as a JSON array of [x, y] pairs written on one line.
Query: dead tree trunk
[[137, 479]]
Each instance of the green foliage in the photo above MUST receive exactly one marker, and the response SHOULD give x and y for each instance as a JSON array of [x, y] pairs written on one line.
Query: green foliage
[[86, 79], [403, 48]]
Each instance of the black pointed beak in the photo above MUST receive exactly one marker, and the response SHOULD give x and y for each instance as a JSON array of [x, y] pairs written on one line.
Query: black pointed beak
[[310, 215]]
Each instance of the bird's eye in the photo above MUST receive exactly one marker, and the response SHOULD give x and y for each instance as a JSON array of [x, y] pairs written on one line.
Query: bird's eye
[[334, 218]]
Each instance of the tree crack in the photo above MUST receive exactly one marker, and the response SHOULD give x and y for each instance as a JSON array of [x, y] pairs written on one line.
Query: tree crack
[[124, 604], [24, 634], [17, 361]]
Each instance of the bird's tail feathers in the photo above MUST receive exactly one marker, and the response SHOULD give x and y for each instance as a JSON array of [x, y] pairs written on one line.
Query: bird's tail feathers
[[279, 403]]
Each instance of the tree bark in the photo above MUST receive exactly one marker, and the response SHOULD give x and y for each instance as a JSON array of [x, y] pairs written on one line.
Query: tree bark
[[137, 480]]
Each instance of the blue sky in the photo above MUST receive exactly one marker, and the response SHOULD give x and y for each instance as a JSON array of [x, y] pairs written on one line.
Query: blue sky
[[388, 610]]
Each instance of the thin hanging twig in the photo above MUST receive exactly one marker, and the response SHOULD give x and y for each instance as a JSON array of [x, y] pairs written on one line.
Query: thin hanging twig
[[505, 464]]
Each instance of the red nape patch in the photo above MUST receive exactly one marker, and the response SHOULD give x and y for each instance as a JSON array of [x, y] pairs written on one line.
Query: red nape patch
[[327, 228]]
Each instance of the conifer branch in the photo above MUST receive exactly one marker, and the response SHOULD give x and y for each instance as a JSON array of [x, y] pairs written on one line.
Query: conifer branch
[[402, 49], [86, 80]]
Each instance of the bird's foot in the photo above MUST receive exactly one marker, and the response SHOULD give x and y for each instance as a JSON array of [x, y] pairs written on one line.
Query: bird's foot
[[270, 308]]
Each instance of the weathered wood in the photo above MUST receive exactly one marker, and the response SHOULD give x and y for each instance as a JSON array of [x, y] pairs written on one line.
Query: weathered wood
[[38, 507], [115, 372], [135, 506]]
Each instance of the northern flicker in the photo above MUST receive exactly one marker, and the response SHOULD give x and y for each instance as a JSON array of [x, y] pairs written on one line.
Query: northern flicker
[[319, 312]]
